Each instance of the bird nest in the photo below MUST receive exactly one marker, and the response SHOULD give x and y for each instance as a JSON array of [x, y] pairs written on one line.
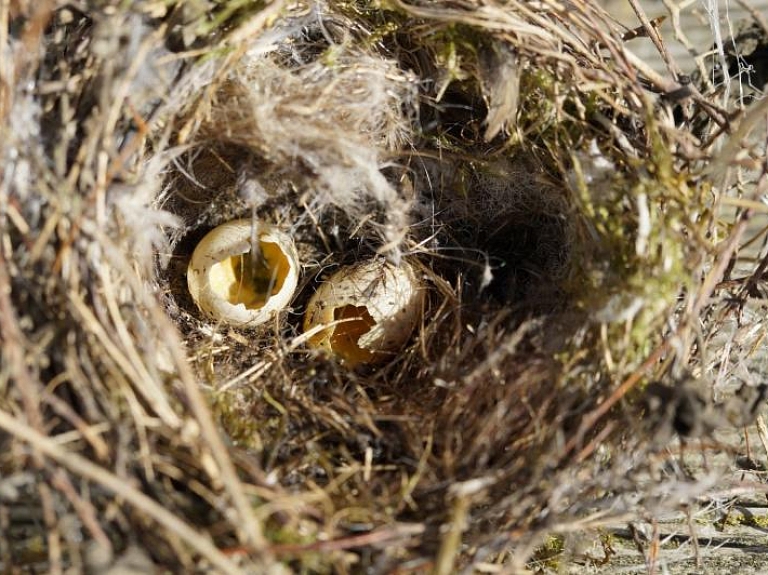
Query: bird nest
[[575, 222]]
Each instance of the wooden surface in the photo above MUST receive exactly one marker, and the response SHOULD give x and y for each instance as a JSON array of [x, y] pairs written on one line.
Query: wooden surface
[[724, 532], [698, 35]]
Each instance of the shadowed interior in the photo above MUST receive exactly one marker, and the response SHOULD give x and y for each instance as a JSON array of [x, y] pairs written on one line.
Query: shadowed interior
[[249, 282], [346, 335]]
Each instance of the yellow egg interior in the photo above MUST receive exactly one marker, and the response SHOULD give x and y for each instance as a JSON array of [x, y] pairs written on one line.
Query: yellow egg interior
[[243, 279], [346, 334]]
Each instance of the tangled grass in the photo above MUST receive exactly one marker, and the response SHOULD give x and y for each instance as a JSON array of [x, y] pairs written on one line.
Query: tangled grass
[[581, 222]]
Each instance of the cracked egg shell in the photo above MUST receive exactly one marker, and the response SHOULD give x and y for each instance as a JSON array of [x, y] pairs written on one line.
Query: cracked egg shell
[[231, 285], [369, 311]]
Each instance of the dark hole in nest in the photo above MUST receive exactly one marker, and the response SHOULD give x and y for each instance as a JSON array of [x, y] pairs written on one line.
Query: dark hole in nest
[[506, 232], [458, 116], [509, 216], [530, 252]]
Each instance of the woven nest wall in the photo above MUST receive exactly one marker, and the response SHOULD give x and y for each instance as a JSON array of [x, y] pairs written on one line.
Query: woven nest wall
[[574, 218]]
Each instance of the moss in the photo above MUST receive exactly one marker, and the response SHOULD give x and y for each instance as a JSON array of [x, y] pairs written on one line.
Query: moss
[[743, 517], [246, 425], [760, 521], [550, 554]]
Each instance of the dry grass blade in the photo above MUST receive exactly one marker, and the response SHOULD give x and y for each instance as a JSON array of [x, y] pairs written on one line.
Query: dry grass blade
[[84, 468]]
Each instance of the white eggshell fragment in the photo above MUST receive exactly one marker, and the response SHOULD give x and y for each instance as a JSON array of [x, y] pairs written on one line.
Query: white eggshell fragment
[[234, 284], [366, 312]]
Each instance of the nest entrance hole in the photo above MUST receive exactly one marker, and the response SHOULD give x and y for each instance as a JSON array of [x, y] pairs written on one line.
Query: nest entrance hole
[[532, 254], [251, 279]]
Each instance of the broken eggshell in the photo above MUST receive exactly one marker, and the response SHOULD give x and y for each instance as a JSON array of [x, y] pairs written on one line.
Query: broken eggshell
[[365, 313], [232, 284]]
